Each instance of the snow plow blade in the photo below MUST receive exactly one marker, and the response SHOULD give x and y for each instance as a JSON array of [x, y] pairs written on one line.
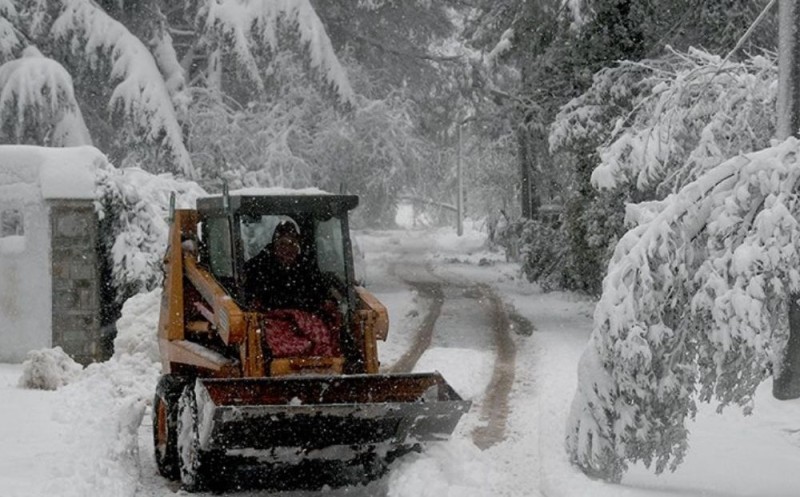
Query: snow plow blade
[[312, 413]]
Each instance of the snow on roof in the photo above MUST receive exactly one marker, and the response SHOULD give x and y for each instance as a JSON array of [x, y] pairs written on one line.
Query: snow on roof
[[279, 190], [61, 173]]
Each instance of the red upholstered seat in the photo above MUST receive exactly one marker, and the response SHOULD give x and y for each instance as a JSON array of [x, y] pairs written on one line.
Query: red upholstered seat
[[296, 333]]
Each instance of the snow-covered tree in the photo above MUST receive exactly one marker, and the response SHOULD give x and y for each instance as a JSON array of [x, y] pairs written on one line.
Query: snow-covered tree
[[113, 74], [558, 46], [693, 309], [128, 79], [9, 38], [37, 102], [684, 115], [642, 131]]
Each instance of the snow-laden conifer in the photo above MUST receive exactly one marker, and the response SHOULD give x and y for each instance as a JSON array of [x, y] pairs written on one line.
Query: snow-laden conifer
[[37, 103], [139, 93], [9, 41], [693, 309], [247, 28], [661, 123]]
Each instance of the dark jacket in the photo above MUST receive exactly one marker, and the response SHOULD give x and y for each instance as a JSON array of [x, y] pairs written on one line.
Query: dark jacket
[[271, 285]]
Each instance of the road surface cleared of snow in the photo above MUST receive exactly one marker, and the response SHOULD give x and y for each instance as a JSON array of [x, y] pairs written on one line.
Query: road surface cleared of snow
[[92, 437]]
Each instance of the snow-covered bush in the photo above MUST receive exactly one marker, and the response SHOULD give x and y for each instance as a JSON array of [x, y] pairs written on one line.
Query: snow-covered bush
[[48, 369], [134, 206], [694, 307], [538, 255]]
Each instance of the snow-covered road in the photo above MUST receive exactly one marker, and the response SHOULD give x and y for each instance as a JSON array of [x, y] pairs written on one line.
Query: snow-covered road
[[93, 437]]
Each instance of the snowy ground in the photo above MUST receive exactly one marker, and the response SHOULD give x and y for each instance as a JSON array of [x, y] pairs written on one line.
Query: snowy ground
[[92, 437]]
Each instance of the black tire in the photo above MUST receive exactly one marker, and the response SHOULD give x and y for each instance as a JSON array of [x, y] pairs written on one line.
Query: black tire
[[165, 424], [196, 466]]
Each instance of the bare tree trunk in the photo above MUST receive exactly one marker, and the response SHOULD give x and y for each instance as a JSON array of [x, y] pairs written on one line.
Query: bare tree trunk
[[786, 384]]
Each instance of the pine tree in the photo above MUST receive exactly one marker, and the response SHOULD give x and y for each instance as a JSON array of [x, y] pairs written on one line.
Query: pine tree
[[132, 92]]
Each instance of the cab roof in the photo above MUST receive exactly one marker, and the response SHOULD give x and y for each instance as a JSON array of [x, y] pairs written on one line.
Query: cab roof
[[325, 205]]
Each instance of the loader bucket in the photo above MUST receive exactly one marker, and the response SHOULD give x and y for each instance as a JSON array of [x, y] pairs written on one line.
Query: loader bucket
[[315, 413]]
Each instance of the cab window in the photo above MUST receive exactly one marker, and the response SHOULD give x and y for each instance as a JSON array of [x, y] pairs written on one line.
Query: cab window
[[330, 247], [220, 255], [256, 232]]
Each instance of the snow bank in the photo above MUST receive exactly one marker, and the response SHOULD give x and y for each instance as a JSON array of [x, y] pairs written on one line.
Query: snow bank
[[104, 410], [105, 407], [102, 406], [453, 469], [48, 369], [473, 238], [470, 382], [136, 329], [14, 244]]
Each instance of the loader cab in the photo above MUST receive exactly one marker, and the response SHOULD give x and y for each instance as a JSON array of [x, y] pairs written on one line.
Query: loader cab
[[236, 229]]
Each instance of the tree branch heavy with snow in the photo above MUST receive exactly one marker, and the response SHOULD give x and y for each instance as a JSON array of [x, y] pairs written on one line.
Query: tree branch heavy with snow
[[693, 308]]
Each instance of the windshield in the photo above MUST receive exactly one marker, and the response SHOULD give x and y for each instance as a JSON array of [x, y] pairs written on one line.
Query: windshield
[[321, 241]]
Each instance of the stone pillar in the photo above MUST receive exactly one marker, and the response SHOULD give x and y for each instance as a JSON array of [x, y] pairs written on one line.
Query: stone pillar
[[76, 279]]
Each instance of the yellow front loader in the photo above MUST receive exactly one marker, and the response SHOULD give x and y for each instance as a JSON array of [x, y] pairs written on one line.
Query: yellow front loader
[[232, 404]]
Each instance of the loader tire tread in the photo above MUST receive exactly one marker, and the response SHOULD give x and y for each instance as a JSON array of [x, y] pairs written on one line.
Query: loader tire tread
[[198, 468], [165, 424]]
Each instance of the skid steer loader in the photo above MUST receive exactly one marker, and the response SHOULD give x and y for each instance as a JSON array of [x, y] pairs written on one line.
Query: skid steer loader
[[284, 397]]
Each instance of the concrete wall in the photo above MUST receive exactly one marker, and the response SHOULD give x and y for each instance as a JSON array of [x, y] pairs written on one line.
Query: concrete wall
[[49, 271], [76, 279], [25, 284]]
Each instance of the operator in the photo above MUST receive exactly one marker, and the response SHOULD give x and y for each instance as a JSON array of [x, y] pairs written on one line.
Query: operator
[[281, 277], [283, 282]]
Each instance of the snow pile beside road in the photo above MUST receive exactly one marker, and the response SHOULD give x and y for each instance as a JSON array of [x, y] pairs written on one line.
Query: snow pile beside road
[[104, 409], [48, 369], [136, 329], [453, 469], [473, 238]]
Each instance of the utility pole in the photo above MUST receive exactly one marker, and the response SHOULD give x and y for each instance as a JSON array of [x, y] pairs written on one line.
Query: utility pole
[[786, 385], [460, 196]]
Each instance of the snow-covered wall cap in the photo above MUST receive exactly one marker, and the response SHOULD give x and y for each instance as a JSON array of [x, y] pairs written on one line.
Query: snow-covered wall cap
[[63, 173], [278, 190]]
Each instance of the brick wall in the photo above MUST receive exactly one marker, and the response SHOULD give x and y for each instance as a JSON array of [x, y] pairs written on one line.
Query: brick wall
[[76, 279]]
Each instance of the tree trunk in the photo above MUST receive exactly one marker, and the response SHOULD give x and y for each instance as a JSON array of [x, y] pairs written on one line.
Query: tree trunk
[[525, 162], [786, 384]]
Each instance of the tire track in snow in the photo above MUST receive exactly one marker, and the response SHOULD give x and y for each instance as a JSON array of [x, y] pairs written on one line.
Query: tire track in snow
[[424, 333], [495, 406]]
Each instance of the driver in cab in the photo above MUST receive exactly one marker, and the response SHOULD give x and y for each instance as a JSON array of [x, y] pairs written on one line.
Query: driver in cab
[[288, 287]]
